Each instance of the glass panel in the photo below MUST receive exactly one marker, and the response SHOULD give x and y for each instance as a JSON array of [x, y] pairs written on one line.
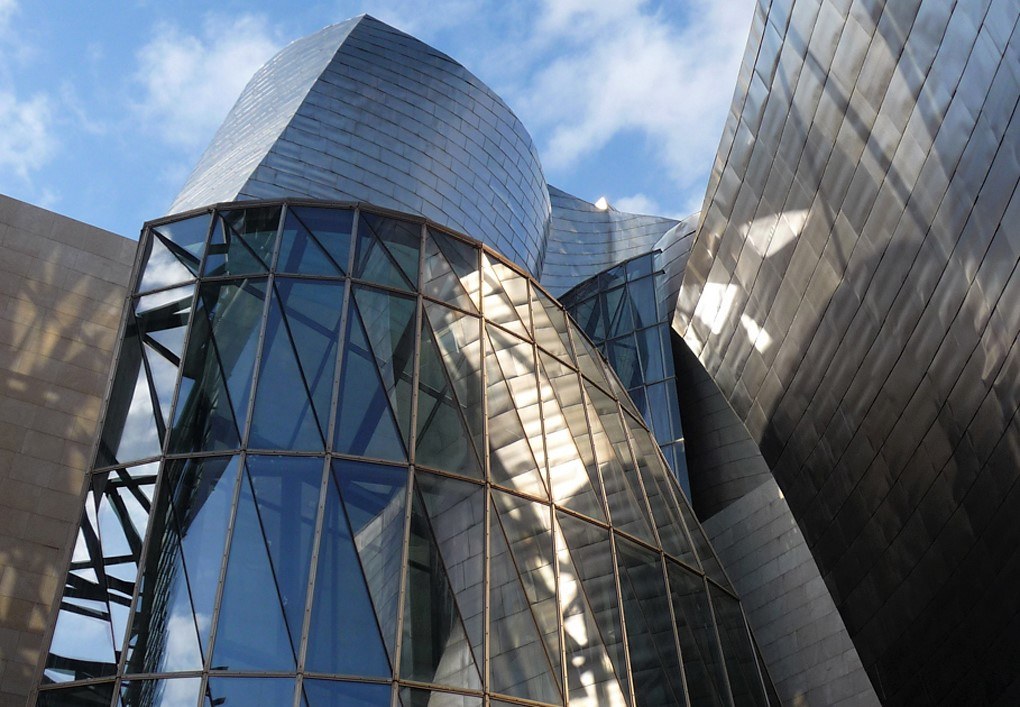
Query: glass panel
[[411, 697], [505, 297], [741, 667], [242, 242], [550, 326], [344, 635], [592, 563], [82, 696], [443, 440], [324, 253], [650, 349], [653, 658], [217, 371], [588, 314], [706, 681], [130, 429], [451, 271], [295, 387], [375, 497], [709, 562], [435, 647], [511, 461], [642, 298], [588, 361], [387, 251], [459, 340], [260, 619], [518, 662], [624, 359], [175, 252], [626, 504], [330, 693], [573, 473], [182, 692], [663, 407], [365, 425], [162, 321], [658, 487], [528, 530], [618, 312], [100, 581], [246, 692], [591, 679], [456, 513]]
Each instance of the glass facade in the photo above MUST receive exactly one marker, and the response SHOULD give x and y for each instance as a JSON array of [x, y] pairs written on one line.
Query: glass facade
[[619, 309], [349, 458]]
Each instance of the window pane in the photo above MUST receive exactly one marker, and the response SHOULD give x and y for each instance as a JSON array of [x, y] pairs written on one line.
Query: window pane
[[182, 692], [241, 692], [330, 693]]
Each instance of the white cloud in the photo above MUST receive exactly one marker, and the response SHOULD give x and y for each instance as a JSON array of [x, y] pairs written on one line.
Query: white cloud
[[26, 141], [192, 80], [7, 10], [637, 204]]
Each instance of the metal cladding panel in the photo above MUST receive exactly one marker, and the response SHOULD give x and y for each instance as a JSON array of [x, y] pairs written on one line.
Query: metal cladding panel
[[384, 119], [854, 290]]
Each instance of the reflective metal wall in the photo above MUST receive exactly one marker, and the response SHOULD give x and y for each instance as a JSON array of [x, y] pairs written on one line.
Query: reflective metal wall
[[363, 112], [854, 292], [351, 458]]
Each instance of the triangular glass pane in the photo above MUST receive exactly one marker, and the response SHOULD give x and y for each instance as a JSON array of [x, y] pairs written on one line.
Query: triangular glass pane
[[588, 360], [375, 497], [528, 528], [517, 362], [365, 423], [518, 662], [130, 430], [242, 242], [217, 370], [651, 640], [658, 484], [163, 319], [511, 460], [292, 402], [162, 379], [300, 251], [333, 693], [455, 280], [163, 267], [588, 315], [443, 440], [387, 251], [619, 475], [176, 252], [741, 665], [343, 635], [591, 678], [262, 609], [459, 340], [435, 647], [591, 553], [706, 681], [550, 325], [455, 508], [619, 312], [709, 562], [624, 360], [573, 472], [623, 396], [390, 327], [331, 229], [505, 297]]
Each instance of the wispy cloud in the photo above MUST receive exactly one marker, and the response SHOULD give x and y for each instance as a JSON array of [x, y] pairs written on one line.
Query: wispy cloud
[[26, 141], [190, 80]]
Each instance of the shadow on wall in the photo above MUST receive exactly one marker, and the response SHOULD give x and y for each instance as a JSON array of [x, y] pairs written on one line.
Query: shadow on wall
[[858, 309], [62, 292]]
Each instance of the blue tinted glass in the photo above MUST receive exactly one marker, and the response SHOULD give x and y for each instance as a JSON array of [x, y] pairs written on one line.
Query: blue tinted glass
[[250, 692], [330, 693], [650, 352], [643, 297], [315, 241], [344, 634], [242, 242], [174, 252], [181, 692], [623, 357], [292, 403], [387, 251], [82, 696]]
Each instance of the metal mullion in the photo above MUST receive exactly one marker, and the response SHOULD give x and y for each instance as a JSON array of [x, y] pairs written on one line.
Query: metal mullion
[[560, 631], [675, 628], [678, 497], [591, 441], [141, 294], [721, 655], [312, 573], [451, 305], [242, 461], [628, 438], [623, 618], [402, 591], [483, 343], [342, 343], [256, 366], [419, 313]]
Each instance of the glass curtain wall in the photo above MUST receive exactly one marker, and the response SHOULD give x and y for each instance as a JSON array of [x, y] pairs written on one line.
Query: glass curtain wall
[[349, 458]]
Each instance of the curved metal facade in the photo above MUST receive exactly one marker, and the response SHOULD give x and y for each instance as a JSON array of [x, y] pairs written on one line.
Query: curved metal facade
[[363, 112], [350, 457], [853, 291]]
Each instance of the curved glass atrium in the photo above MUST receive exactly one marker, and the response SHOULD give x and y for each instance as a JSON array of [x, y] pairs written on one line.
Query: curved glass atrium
[[351, 458]]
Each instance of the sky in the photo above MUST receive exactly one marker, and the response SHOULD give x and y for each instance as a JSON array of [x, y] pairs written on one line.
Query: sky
[[105, 107]]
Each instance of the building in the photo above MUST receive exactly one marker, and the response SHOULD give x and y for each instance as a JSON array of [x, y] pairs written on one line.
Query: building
[[825, 356]]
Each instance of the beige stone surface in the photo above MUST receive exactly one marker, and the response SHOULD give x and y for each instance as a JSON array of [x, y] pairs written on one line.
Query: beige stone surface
[[62, 289]]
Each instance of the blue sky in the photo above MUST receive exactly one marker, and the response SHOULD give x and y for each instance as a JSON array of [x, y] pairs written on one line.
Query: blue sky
[[105, 107]]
